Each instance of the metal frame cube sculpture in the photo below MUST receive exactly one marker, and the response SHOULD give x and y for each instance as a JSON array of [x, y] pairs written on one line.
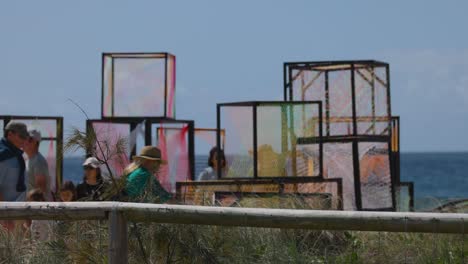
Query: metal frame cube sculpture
[[138, 85], [138, 109], [270, 139], [357, 125], [134, 133], [51, 128]]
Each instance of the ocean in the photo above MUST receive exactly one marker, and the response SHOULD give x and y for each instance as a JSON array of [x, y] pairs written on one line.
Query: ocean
[[437, 177]]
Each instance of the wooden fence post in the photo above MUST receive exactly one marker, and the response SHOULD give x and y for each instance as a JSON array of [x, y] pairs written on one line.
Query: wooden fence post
[[118, 238]]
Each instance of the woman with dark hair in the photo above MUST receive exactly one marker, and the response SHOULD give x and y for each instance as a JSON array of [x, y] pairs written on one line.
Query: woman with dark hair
[[211, 172], [92, 187]]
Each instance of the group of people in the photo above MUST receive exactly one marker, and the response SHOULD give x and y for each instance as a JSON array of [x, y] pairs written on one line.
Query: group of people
[[24, 175], [22, 166], [24, 169]]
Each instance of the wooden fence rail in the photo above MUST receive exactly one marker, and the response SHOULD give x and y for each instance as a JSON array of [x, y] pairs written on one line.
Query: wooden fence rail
[[119, 213]]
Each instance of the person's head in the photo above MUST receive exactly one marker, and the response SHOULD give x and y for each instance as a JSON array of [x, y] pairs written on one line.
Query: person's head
[[16, 133], [213, 158], [31, 145], [150, 158], [67, 192], [92, 170], [35, 195]]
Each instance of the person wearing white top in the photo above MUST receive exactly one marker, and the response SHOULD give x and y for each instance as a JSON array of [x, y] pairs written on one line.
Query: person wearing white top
[[211, 172]]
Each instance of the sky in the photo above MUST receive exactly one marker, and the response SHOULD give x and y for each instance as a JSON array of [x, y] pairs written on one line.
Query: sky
[[50, 51]]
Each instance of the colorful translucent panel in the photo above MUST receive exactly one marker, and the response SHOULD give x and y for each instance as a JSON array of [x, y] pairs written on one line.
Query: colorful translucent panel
[[282, 130], [338, 163], [172, 139], [112, 146], [310, 195], [371, 101], [238, 124], [376, 182], [48, 148], [138, 85], [279, 128], [205, 140]]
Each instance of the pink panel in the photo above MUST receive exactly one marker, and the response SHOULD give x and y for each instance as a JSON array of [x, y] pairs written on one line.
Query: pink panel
[[174, 149], [108, 134]]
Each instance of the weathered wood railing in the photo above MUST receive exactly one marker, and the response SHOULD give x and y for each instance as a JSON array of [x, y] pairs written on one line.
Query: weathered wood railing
[[119, 213]]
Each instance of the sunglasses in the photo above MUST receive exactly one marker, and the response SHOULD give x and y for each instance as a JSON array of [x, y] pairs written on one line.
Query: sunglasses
[[88, 168]]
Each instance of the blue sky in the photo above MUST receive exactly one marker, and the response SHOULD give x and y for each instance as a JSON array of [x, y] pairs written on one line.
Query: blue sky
[[233, 51]]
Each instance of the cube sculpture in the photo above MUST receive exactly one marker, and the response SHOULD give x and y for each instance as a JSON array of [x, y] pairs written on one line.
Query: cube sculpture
[[356, 125], [51, 146], [173, 137], [138, 85], [271, 139], [138, 109]]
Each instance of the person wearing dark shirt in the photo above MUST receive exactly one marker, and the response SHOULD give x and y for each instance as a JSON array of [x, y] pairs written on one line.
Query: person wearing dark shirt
[[92, 187]]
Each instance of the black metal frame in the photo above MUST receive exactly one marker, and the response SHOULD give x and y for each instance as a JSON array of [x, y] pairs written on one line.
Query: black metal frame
[[279, 181], [134, 55], [58, 139], [149, 122], [355, 138], [254, 105], [396, 161]]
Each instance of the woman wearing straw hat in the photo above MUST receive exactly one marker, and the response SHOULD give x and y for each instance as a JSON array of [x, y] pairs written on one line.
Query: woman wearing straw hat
[[139, 175]]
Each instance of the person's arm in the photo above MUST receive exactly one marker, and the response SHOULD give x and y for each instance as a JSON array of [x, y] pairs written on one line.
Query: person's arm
[[41, 182], [159, 191], [203, 175], [41, 176]]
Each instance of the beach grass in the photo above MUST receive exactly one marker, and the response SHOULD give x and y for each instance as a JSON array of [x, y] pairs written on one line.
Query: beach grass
[[87, 242]]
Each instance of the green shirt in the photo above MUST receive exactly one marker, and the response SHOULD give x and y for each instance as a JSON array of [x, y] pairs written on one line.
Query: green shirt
[[137, 182]]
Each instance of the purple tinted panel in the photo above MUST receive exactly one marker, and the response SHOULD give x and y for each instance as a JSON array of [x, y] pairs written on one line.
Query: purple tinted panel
[[139, 86]]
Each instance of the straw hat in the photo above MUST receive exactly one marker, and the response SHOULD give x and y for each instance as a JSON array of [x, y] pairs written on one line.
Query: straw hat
[[150, 153]]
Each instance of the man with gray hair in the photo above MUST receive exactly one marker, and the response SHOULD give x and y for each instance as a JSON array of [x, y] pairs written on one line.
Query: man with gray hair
[[12, 164], [37, 170]]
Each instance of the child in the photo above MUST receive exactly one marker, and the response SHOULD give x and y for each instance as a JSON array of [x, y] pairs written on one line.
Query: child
[[67, 192], [40, 229]]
